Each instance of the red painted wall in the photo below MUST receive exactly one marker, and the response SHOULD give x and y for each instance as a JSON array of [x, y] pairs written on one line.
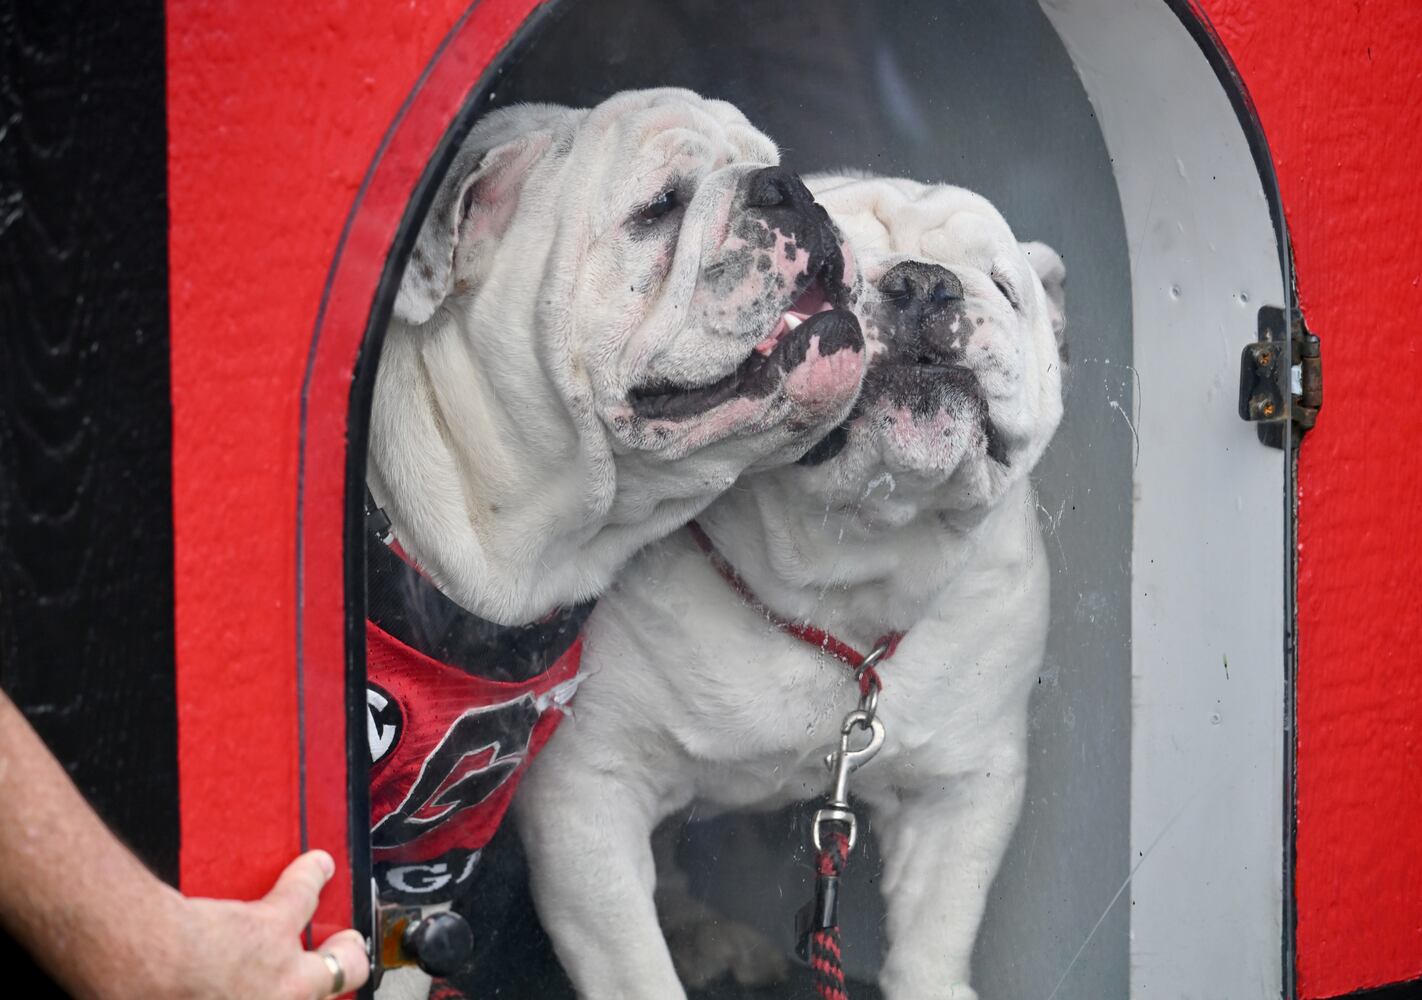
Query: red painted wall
[[275, 114], [1338, 86]]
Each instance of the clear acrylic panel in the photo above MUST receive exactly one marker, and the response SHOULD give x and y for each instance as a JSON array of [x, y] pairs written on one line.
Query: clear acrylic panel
[[1112, 635]]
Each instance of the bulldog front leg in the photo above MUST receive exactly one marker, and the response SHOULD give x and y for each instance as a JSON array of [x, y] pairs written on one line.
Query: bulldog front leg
[[588, 840], [942, 848]]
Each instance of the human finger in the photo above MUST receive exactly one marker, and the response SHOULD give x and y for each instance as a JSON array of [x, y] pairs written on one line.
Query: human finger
[[338, 966], [298, 888]]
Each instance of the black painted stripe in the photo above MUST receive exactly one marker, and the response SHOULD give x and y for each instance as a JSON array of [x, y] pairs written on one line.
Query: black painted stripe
[[86, 538], [1398, 991]]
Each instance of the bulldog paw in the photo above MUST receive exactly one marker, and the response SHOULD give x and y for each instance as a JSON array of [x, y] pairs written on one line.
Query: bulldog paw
[[958, 991], [705, 950], [952, 991]]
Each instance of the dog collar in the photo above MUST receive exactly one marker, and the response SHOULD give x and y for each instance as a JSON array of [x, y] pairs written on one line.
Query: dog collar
[[405, 603], [861, 664]]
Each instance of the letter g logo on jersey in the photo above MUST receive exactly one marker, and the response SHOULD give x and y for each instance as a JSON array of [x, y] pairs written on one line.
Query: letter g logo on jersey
[[482, 748]]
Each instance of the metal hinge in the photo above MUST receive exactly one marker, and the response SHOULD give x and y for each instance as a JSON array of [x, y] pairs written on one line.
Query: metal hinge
[[1276, 396]]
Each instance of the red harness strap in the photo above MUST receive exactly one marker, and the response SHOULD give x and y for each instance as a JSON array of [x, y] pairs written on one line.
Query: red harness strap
[[868, 677], [457, 707]]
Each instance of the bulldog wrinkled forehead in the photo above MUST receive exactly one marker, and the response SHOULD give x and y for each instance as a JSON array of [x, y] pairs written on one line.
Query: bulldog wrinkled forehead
[[889, 220], [895, 217], [635, 118], [509, 145]]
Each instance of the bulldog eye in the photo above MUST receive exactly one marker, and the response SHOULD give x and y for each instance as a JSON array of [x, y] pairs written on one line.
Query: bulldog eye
[[659, 207], [1008, 292]]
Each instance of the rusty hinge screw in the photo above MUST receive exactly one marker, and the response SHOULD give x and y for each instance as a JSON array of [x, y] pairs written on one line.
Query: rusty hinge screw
[[1275, 397], [1263, 409]]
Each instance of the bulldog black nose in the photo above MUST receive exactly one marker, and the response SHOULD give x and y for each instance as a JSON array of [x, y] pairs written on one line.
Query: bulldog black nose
[[776, 187], [918, 286], [923, 312]]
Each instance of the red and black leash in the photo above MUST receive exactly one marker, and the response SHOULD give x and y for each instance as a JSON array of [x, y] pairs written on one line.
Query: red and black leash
[[820, 946], [834, 828]]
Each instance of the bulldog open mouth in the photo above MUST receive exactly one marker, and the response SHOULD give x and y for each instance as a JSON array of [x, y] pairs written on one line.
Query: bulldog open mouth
[[815, 319]]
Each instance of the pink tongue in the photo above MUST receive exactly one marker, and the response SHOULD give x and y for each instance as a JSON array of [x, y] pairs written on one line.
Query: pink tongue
[[811, 301]]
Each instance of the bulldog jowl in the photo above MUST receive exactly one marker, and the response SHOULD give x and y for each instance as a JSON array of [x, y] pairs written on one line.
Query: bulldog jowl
[[781, 270], [811, 331]]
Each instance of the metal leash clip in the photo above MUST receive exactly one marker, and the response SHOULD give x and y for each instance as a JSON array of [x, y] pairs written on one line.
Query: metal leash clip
[[842, 763]]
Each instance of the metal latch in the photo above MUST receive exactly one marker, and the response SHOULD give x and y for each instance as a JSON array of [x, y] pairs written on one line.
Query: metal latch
[[1272, 394], [439, 943]]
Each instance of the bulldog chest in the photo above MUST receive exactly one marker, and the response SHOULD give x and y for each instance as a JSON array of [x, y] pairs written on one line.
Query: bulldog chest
[[791, 698]]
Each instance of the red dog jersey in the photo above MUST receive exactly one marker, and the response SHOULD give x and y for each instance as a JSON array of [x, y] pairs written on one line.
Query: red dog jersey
[[456, 708]]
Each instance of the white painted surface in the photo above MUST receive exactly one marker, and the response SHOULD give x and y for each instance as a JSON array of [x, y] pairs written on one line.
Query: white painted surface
[[1209, 544]]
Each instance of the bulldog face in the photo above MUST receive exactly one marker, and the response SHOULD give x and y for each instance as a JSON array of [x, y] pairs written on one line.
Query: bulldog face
[[608, 316], [964, 390], [665, 271]]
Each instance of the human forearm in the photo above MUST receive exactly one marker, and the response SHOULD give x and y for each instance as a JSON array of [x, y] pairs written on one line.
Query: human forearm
[[105, 927], [83, 905]]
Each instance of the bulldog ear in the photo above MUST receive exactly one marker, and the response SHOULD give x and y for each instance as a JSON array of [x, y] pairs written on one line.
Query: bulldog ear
[[1049, 267], [476, 201]]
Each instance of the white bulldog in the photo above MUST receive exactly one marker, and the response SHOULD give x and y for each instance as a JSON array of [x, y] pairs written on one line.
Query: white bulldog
[[609, 315], [915, 517]]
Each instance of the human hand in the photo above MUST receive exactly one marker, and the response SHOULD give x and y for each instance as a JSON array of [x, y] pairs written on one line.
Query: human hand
[[254, 950], [106, 928]]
